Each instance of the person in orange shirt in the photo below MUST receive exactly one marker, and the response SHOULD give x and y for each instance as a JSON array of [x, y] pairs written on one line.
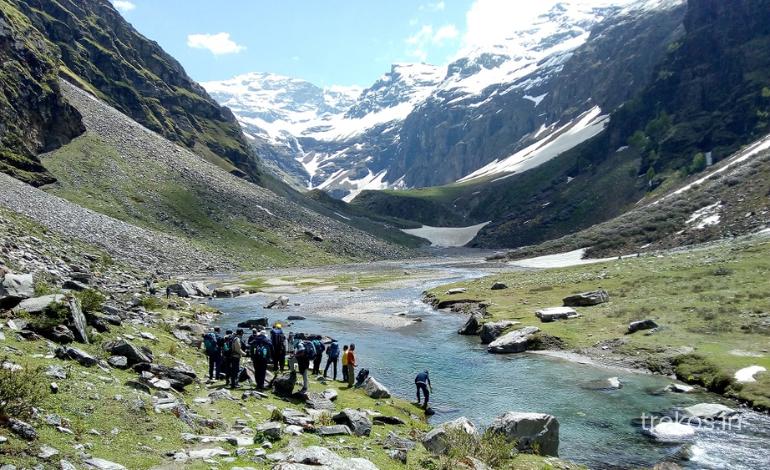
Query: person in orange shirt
[[351, 365]]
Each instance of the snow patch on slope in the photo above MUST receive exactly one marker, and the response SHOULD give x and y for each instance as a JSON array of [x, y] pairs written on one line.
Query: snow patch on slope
[[445, 237]]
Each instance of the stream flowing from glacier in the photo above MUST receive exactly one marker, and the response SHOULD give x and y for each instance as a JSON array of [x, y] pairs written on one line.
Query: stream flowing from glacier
[[597, 426]]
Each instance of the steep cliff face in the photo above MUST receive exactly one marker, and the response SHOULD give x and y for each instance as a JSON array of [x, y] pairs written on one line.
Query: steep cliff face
[[105, 55], [34, 117]]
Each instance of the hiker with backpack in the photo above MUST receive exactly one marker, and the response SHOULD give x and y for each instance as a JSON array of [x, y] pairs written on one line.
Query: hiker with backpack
[[422, 382], [319, 347], [304, 351], [278, 340], [351, 364], [332, 356], [211, 342], [224, 352], [235, 350], [290, 351], [261, 351], [345, 363]]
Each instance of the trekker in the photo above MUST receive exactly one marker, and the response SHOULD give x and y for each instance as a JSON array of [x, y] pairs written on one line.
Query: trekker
[[168, 292], [422, 382], [351, 365], [224, 351], [278, 340], [345, 363], [236, 352], [211, 342], [332, 356], [261, 351], [319, 355], [290, 351], [304, 352]]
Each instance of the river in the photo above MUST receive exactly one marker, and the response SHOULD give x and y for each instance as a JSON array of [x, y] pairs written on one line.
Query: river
[[597, 426]]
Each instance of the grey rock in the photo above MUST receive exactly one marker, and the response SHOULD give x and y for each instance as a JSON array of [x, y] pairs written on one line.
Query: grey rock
[[336, 430], [513, 342], [318, 401], [133, 354], [22, 429], [56, 372], [437, 441], [71, 284], [254, 323], [330, 394], [36, 305], [635, 326], [46, 452], [490, 331], [399, 455], [472, 326], [391, 420], [531, 431], [710, 411], [394, 441], [456, 290], [271, 430], [66, 465], [279, 303], [14, 288], [101, 464], [61, 334], [222, 394], [547, 315], [118, 362], [82, 357], [374, 389], [586, 299], [356, 420], [283, 385], [183, 289], [78, 320], [679, 388]]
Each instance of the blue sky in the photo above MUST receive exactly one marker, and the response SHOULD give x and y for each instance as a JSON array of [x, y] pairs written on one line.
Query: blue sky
[[328, 42]]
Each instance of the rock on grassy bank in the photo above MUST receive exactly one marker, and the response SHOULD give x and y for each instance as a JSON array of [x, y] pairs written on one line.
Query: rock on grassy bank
[[708, 311]]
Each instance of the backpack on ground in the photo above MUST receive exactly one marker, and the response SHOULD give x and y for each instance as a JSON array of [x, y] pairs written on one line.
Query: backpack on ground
[[210, 343], [363, 374], [310, 351]]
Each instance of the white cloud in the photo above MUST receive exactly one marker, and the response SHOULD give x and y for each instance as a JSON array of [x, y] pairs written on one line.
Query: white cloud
[[217, 44], [123, 5], [433, 6], [427, 36]]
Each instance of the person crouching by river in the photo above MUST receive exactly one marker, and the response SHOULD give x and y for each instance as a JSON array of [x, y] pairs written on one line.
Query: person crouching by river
[[351, 365], [422, 382]]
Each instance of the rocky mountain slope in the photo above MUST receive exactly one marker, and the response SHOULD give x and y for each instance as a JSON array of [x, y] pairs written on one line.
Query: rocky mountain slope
[[652, 144], [422, 125], [90, 44]]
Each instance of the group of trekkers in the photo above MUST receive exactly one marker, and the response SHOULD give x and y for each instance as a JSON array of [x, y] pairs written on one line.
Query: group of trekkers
[[296, 352], [300, 352]]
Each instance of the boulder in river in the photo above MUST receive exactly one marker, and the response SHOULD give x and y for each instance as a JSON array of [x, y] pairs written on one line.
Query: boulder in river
[[710, 411], [375, 389], [437, 441], [532, 432], [669, 431], [586, 299], [550, 314], [515, 341], [182, 289], [472, 326], [279, 303], [635, 326], [490, 331], [295, 317], [227, 291], [254, 323]]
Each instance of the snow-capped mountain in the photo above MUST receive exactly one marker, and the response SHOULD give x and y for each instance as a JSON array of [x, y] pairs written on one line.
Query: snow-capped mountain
[[500, 108]]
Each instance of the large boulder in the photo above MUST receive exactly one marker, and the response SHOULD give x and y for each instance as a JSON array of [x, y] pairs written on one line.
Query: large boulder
[[201, 289], [14, 288], [279, 303], [472, 326], [437, 441], [301, 458], [177, 377], [498, 286], [183, 289], [672, 432], [36, 305], [82, 357], [78, 320], [547, 315], [513, 342], [356, 420], [254, 323], [227, 291], [710, 411], [133, 354], [375, 389], [490, 331], [635, 326], [61, 334], [532, 432], [586, 299], [283, 385]]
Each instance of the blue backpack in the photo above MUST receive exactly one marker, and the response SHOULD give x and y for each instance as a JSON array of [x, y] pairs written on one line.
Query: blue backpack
[[319, 347], [310, 351], [334, 350]]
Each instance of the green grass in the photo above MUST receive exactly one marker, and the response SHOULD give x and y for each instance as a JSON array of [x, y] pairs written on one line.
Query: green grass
[[688, 294]]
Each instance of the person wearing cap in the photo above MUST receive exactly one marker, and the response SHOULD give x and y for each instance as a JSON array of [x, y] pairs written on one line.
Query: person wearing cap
[[278, 339]]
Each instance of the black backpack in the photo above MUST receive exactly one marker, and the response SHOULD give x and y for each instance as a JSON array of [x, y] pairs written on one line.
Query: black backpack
[[363, 374], [310, 351]]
